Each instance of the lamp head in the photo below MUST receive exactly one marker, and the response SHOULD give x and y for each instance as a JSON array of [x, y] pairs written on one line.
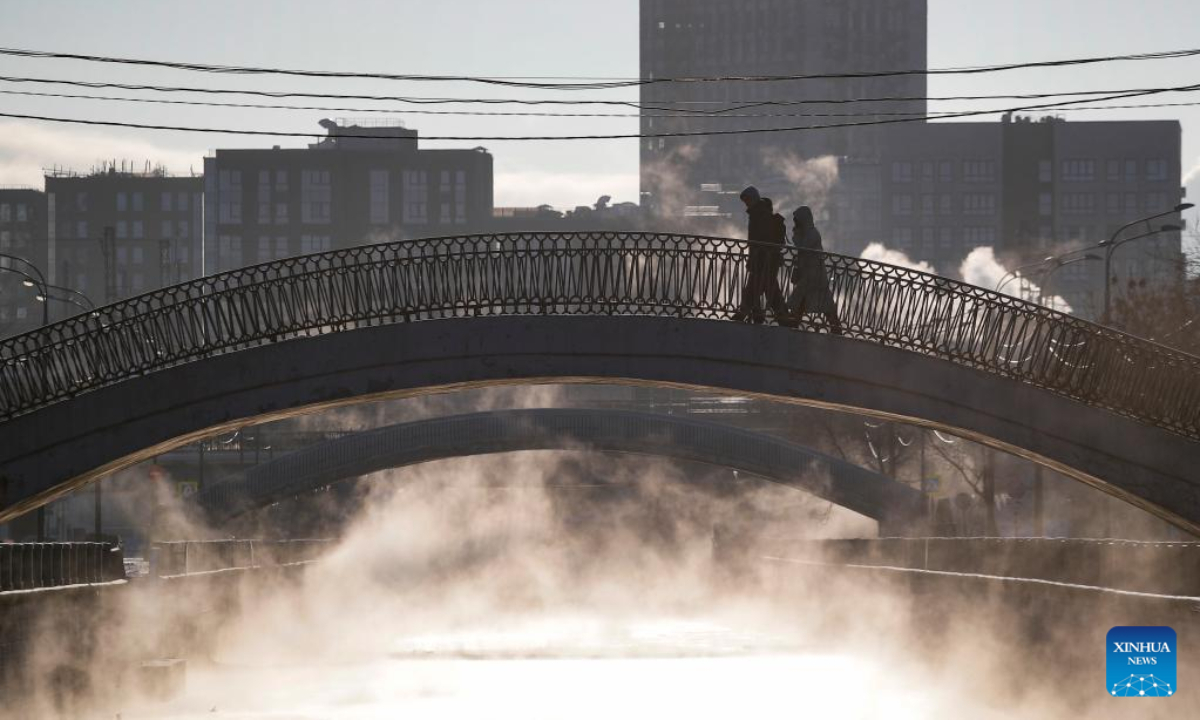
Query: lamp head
[[1184, 206], [1169, 228], [27, 282]]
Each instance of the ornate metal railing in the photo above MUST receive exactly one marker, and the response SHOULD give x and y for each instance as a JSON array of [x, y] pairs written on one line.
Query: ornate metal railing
[[599, 274]]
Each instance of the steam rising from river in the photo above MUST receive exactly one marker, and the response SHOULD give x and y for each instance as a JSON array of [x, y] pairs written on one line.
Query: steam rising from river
[[583, 586]]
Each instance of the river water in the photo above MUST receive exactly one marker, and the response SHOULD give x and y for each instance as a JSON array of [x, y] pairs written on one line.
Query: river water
[[577, 667]]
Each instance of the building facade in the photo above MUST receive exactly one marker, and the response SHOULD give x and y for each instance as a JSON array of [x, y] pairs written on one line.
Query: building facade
[[1032, 189], [716, 38], [115, 233], [362, 184], [23, 235]]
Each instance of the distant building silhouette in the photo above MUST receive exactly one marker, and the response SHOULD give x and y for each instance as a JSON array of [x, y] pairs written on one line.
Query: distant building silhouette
[[1031, 189], [351, 188], [116, 232], [768, 38], [22, 233]]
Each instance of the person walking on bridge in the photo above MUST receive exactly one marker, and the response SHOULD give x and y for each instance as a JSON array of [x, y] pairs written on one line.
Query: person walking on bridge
[[810, 282], [767, 234]]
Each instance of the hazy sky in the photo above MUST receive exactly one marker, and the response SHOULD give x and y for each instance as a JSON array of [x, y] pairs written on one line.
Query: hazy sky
[[515, 37]]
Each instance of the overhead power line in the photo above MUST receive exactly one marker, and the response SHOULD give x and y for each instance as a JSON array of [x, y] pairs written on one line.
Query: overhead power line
[[589, 83], [624, 136], [492, 113], [685, 107]]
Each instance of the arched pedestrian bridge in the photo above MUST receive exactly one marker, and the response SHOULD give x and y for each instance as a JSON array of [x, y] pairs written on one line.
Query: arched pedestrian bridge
[[893, 504], [100, 391]]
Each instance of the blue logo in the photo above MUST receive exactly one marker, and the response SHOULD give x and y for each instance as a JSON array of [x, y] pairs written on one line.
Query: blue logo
[[1141, 661]]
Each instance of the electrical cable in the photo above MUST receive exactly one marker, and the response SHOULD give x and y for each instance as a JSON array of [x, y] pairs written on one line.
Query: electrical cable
[[622, 136], [592, 84], [489, 113], [737, 105]]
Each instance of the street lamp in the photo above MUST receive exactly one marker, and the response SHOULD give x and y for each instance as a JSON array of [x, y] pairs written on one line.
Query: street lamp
[[1058, 264], [1015, 274], [1110, 247], [29, 281]]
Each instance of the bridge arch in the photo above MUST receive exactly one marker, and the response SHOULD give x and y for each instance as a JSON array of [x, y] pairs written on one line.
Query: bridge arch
[[90, 395], [614, 431]]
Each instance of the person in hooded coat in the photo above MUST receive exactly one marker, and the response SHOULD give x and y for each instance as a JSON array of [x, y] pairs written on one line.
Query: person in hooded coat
[[762, 277], [810, 282]]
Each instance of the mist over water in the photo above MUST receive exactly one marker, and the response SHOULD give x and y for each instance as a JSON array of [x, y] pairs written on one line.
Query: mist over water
[[549, 585]]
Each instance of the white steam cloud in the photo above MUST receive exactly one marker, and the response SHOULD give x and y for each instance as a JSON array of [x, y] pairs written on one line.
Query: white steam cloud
[[982, 269], [878, 252]]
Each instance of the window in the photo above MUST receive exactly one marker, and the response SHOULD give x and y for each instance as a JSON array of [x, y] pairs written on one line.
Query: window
[[122, 229], [166, 202], [281, 248], [137, 202], [81, 203], [416, 197], [137, 229], [1114, 171], [460, 197], [977, 204], [1045, 204], [979, 171], [379, 197], [138, 256], [122, 256], [1079, 204], [22, 215], [1131, 203], [1156, 202], [946, 171], [902, 172], [181, 202], [166, 229], [1078, 170], [314, 244], [264, 249], [5, 239], [1112, 203], [281, 213], [928, 236], [947, 238], [979, 236], [122, 202], [1131, 171], [927, 171], [316, 197], [281, 181], [902, 237], [928, 205], [946, 205], [1156, 170], [81, 229], [1045, 171], [902, 204], [229, 190], [5, 213], [229, 252], [264, 197], [182, 226]]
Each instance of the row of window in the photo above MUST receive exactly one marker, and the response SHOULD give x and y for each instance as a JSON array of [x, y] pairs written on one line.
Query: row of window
[[975, 171], [1085, 170], [945, 237], [10, 240], [1128, 204], [135, 201], [972, 204], [1071, 170], [18, 212], [230, 255]]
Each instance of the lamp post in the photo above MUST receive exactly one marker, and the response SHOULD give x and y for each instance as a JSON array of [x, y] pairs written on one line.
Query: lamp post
[[1110, 248], [37, 280], [1058, 264], [1016, 273]]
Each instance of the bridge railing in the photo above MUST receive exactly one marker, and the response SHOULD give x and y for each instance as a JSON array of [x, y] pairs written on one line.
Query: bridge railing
[[33, 566], [186, 557], [596, 274]]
